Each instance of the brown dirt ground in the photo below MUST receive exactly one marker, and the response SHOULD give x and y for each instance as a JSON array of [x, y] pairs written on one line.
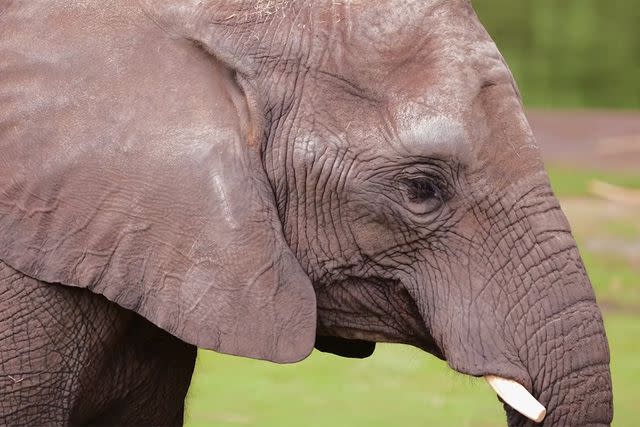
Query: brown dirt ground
[[599, 140]]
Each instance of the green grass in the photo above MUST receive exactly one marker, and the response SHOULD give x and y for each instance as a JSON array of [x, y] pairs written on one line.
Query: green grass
[[397, 386], [623, 230], [623, 332], [402, 386], [615, 280], [607, 234], [567, 182]]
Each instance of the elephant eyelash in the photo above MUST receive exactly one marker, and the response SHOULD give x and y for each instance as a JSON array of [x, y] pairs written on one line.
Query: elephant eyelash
[[424, 194], [423, 189]]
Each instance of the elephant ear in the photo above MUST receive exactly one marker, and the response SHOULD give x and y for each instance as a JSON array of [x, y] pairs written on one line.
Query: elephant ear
[[129, 166]]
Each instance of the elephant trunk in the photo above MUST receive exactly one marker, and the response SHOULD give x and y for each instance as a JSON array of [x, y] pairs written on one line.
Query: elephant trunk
[[570, 374], [529, 315], [567, 358], [561, 339]]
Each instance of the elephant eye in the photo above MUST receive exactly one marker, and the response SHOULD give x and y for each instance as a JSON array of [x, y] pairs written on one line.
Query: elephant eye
[[423, 195]]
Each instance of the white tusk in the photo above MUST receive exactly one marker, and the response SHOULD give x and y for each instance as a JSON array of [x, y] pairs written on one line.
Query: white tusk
[[517, 397]]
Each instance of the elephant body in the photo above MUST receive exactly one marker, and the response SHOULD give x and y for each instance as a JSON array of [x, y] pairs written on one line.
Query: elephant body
[[89, 361], [259, 178]]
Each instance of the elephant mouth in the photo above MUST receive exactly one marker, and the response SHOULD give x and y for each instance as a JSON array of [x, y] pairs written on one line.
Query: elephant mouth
[[351, 348], [517, 397], [518, 400]]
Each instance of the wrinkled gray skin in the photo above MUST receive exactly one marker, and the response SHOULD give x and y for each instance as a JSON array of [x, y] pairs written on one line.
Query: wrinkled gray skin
[[256, 177]]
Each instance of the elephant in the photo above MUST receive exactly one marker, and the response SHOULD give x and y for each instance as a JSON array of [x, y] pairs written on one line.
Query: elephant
[[266, 177]]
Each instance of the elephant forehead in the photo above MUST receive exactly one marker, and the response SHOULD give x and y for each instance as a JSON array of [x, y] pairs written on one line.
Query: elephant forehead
[[389, 29], [407, 49], [387, 20], [433, 136]]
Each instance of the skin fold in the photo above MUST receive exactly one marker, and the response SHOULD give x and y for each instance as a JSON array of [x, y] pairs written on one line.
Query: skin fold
[[259, 177]]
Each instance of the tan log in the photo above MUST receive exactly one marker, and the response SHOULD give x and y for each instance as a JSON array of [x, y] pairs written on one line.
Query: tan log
[[615, 193]]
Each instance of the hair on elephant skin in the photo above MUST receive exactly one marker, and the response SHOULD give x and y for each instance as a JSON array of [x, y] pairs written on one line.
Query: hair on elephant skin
[[262, 177]]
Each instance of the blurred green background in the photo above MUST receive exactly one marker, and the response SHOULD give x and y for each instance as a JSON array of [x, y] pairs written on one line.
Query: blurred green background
[[565, 54], [569, 53]]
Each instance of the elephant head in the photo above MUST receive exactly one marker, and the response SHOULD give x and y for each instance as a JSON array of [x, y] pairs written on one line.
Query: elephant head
[[257, 177]]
